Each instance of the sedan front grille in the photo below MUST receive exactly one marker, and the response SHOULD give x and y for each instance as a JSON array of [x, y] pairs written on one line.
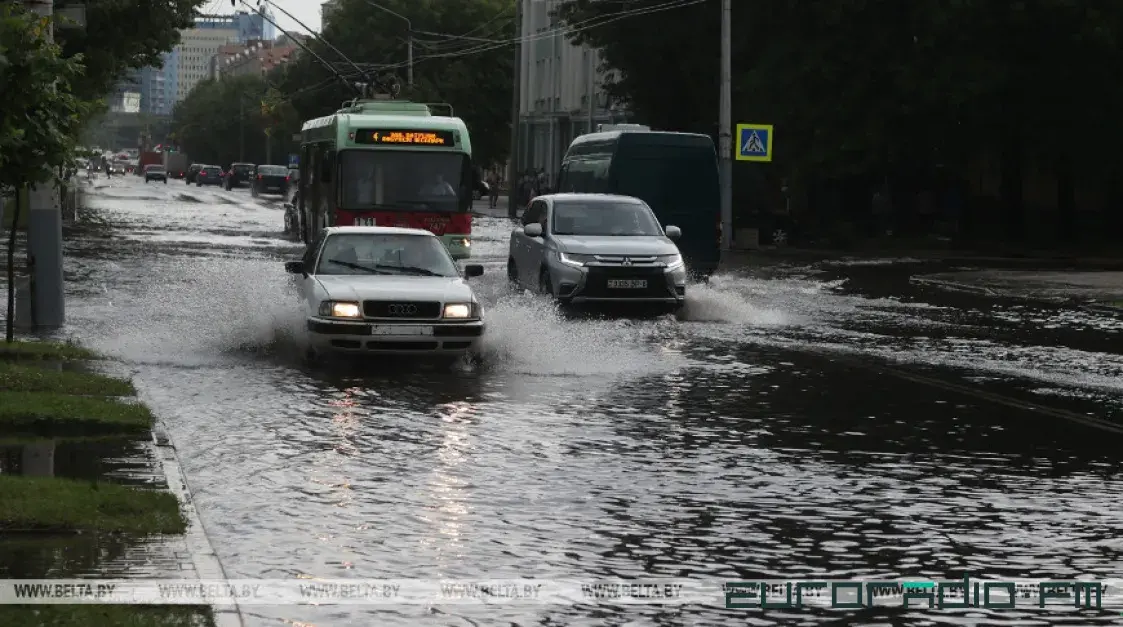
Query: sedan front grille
[[401, 309]]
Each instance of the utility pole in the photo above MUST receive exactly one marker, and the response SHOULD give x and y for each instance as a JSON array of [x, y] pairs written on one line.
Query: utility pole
[[241, 128], [44, 230], [410, 70], [513, 161], [592, 87], [725, 130]]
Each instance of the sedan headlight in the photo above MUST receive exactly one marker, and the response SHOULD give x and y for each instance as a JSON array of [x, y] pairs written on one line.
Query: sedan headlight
[[577, 261], [673, 262], [340, 309], [460, 310]]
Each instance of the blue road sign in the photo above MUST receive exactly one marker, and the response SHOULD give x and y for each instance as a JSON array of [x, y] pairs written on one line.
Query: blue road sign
[[754, 142], [294, 161]]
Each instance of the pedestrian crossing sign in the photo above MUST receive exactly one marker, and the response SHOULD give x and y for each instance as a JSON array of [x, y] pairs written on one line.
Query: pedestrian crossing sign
[[754, 142]]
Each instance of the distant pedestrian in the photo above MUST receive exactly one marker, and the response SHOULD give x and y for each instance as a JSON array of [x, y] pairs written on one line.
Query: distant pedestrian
[[493, 189]]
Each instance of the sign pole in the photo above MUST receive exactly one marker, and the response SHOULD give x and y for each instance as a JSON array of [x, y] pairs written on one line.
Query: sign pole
[[725, 131]]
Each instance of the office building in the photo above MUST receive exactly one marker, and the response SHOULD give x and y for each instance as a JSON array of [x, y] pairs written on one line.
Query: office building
[[559, 86], [196, 48]]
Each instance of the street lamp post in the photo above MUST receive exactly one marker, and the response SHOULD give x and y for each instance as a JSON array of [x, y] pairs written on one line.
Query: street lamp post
[[409, 25], [725, 130]]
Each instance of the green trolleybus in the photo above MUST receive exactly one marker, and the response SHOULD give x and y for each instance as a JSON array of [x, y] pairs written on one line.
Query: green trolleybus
[[388, 163]]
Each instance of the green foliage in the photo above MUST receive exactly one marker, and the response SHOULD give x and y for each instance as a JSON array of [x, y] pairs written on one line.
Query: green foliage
[[37, 128], [472, 76], [216, 116], [855, 85], [124, 34]]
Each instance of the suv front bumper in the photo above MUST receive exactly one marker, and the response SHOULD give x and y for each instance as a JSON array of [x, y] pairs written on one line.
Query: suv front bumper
[[595, 284]]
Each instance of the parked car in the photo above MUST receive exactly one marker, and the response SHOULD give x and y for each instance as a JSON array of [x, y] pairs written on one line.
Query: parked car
[[597, 248], [209, 175], [192, 172], [155, 172], [239, 174], [387, 290], [270, 179]]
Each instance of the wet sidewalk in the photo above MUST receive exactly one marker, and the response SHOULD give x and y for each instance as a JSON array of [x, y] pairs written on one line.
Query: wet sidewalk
[[1103, 288], [148, 464]]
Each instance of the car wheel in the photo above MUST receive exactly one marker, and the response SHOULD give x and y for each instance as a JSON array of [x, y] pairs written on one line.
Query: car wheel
[[779, 237], [512, 273], [545, 285]]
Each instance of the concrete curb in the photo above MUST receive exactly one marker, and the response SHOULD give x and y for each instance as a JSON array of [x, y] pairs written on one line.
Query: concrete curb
[[203, 556]]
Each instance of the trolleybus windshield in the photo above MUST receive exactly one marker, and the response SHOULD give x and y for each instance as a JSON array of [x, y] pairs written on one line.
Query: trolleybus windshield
[[404, 180]]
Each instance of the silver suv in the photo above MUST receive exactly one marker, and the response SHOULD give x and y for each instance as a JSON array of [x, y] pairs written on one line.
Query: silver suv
[[597, 248]]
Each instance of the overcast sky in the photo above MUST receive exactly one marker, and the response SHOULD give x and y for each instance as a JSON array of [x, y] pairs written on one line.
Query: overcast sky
[[307, 11]]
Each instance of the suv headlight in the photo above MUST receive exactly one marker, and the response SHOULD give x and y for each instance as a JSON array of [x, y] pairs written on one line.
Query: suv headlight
[[461, 311], [673, 262], [577, 261], [340, 309]]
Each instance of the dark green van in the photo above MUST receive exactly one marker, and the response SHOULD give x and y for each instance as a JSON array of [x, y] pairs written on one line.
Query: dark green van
[[675, 173]]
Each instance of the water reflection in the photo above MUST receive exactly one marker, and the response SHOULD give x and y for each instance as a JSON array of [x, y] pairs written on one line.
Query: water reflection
[[743, 441]]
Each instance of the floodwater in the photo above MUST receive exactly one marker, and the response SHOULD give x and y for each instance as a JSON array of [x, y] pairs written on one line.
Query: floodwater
[[802, 422]]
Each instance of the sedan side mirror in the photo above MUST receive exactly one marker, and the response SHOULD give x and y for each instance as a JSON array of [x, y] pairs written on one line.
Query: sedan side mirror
[[673, 232], [473, 270], [294, 267], [533, 229]]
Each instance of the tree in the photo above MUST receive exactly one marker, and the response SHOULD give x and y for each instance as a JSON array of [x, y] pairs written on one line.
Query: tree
[[38, 128], [124, 34], [859, 87], [222, 121], [457, 68]]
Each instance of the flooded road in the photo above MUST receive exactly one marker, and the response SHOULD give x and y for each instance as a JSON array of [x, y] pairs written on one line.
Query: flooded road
[[826, 422]]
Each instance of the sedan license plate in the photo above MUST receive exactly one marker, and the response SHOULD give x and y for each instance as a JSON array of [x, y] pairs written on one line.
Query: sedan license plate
[[627, 284], [400, 330]]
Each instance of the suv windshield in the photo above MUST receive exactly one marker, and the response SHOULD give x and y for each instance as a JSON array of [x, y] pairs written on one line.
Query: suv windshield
[[212, 170], [370, 253], [241, 168], [574, 217], [402, 180], [155, 168]]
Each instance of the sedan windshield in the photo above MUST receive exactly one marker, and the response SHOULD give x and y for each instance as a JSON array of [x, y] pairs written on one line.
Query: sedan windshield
[[370, 253], [573, 217], [272, 170]]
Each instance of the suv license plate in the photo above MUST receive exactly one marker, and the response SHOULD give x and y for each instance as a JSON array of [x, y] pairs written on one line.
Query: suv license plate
[[400, 330], [626, 284]]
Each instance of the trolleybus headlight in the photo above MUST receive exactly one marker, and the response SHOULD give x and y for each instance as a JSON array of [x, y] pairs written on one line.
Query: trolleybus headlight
[[458, 310], [337, 309]]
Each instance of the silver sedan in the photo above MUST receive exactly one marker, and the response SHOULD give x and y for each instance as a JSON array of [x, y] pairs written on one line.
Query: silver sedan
[[597, 248]]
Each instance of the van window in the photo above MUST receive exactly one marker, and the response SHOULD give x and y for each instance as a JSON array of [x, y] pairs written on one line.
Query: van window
[[587, 174]]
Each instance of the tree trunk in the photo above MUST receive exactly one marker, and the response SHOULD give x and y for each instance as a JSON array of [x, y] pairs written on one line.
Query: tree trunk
[[9, 331], [1066, 200]]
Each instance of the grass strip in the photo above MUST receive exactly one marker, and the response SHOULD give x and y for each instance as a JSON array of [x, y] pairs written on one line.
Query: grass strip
[[49, 351], [47, 414], [105, 615], [19, 378], [54, 504]]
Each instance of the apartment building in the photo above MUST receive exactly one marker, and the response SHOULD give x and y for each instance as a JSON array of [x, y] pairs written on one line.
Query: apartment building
[[224, 54], [560, 89], [327, 10], [254, 58]]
